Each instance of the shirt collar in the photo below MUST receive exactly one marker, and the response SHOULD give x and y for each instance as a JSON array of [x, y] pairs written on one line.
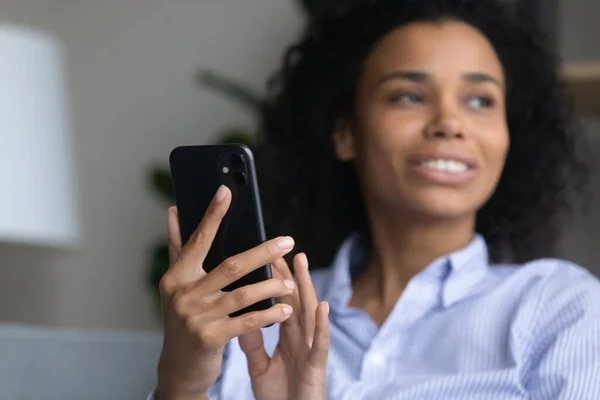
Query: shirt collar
[[339, 289], [458, 272], [469, 266]]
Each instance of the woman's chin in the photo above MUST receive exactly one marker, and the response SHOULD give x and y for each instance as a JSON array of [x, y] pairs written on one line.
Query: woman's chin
[[443, 208]]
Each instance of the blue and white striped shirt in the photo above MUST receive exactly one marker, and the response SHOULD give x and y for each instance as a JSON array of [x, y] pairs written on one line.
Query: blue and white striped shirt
[[462, 329]]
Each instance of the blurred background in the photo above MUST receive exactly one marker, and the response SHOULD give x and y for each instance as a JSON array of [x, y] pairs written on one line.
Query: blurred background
[[133, 94]]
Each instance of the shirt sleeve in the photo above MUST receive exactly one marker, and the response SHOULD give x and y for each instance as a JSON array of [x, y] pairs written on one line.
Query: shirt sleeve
[[214, 393], [565, 342]]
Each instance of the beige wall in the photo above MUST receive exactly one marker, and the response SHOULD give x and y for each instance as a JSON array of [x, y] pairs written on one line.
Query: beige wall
[[131, 73], [131, 64]]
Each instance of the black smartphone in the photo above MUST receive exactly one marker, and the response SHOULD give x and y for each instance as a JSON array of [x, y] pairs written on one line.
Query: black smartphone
[[197, 172]]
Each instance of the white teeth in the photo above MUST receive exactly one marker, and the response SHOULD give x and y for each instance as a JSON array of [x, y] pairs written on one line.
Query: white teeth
[[446, 165]]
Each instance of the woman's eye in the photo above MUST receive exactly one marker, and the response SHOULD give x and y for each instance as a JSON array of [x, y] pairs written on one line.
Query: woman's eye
[[407, 98], [478, 102]]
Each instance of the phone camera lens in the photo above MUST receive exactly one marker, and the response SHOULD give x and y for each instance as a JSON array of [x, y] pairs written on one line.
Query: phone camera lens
[[237, 160], [241, 178]]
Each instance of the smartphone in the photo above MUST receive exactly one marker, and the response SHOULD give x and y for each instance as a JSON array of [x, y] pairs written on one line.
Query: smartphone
[[197, 172]]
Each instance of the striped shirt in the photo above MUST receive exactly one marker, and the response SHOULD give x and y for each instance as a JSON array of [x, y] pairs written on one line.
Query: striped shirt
[[462, 329]]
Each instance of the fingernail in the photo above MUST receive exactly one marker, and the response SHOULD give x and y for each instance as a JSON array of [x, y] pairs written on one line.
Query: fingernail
[[305, 260], [287, 310], [285, 243], [289, 284], [327, 307], [221, 194]]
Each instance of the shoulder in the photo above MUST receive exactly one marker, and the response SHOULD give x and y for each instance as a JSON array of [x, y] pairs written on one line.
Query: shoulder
[[544, 279], [556, 295], [550, 277], [560, 340], [567, 292]]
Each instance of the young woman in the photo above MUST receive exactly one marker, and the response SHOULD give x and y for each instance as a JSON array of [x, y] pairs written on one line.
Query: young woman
[[427, 143]]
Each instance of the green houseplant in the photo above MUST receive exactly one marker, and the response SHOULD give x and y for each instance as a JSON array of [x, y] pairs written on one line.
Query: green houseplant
[[159, 178]]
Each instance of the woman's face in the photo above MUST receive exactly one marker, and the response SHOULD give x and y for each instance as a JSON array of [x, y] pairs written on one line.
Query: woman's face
[[429, 133]]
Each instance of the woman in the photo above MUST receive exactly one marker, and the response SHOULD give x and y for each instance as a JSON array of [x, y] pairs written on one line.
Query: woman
[[429, 143]]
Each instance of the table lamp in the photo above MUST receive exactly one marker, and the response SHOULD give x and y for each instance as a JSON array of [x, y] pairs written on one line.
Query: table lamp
[[38, 194]]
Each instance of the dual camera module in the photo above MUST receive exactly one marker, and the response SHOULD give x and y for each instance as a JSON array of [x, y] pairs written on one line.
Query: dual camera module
[[237, 169]]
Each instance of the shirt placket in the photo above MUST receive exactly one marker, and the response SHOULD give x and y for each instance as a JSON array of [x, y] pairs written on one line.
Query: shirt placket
[[421, 295]]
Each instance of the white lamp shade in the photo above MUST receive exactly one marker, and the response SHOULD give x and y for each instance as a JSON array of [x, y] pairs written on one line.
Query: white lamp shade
[[37, 180]]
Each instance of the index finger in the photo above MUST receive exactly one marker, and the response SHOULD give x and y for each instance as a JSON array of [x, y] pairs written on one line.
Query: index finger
[[188, 267], [237, 266], [308, 296], [282, 270]]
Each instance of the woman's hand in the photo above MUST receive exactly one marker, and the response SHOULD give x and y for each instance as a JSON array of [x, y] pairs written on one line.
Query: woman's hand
[[196, 311], [297, 370]]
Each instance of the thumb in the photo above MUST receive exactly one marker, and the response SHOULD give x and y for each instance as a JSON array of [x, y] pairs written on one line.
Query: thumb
[[174, 235], [252, 345]]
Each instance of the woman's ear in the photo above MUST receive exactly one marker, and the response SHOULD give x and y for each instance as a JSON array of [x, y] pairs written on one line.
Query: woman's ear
[[343, 140]]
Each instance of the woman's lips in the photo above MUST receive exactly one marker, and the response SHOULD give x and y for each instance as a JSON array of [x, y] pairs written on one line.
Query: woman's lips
[[450, 169], [444, 177]]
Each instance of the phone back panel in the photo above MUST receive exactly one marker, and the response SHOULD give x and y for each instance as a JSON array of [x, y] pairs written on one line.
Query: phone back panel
[[197, 172]]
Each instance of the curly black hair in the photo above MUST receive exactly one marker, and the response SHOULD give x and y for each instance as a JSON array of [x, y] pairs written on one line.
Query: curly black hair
[[314, 197]]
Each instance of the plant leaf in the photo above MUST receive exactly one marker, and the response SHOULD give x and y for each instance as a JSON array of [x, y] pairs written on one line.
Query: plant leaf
[[310, 7], [231, 89], [159, 265], [237, 136], [160, 181]]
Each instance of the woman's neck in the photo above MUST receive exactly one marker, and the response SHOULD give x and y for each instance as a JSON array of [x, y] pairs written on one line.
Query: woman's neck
[[401, 248]]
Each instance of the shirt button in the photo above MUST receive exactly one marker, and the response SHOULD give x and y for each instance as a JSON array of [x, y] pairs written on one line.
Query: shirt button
[[376, 359]]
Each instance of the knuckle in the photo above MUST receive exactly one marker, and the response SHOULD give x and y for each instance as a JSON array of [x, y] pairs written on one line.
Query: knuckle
[[272, 248], [167, 285], [197, 237], [208, 338], [201, 332], [201, 304], [282, 287], [241, 297], [250, 321], [231, 267]]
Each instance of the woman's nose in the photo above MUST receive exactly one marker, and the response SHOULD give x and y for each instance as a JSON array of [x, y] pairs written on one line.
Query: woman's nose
[[445, 124]]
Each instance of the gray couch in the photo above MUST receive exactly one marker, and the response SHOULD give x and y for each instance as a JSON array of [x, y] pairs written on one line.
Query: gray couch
[[52, 364]]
